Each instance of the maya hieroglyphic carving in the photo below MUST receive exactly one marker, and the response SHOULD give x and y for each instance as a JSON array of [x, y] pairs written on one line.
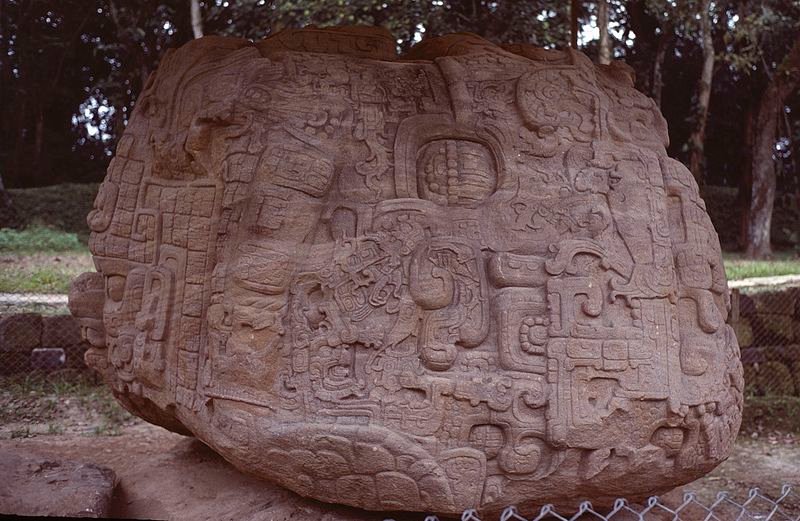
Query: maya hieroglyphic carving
[[466, 277]]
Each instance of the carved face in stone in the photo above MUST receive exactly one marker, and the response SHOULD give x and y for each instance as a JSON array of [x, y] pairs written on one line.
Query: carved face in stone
[[464, 278]]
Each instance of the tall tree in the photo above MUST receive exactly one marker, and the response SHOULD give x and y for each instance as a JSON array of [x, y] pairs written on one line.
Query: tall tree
[[697, 139], [197, 18], [665, 39], [761, 54], [604, 51], [574, 26], [655, 24], [41, 86], [767, 118]]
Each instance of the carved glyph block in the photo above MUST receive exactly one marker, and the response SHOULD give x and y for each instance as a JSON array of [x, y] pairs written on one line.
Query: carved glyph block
[[466, 277]]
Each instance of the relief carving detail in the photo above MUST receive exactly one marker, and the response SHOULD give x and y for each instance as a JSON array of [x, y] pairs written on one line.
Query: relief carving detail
[[466, 277]]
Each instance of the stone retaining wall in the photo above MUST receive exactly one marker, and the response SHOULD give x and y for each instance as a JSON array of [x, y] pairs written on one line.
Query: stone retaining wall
[[767, 324], [34, 342]]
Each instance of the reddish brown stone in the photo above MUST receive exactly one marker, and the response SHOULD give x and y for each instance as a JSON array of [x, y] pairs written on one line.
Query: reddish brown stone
[[33, 485], [60, 331], [20, 332], [466, 277]]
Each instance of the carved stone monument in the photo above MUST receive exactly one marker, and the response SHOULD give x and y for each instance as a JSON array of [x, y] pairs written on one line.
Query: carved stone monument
[[465, 277]]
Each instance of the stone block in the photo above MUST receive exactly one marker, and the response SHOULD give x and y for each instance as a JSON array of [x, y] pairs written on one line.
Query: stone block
[[34, 485], [48, 359], [14, 362], [778, 302], [20, 332], [743, 331], [75, 354], [775, 329], [60, 331]]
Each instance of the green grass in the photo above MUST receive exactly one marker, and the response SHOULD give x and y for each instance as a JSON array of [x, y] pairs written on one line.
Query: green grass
[[42, 280], [40, 259], [38, 278], [737, 267], [39, 239]]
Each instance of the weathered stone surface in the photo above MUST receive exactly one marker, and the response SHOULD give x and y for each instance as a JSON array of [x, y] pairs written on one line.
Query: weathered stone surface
[[20, 332], [60, 331], [466, 277], [32, 485], [89, 288]]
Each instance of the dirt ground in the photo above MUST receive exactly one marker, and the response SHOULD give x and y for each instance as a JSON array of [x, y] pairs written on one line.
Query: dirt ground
[[167, 476]]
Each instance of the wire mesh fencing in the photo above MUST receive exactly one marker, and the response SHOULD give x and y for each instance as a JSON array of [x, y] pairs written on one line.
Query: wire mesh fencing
[[766, 319], [36, 344], [757, 506]]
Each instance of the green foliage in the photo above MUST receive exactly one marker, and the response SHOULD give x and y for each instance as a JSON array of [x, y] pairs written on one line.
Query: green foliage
[[58, 384], [762, 34], [62, 207], [545, 22]]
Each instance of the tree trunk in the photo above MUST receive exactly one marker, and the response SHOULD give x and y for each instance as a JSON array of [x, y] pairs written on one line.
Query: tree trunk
[[763, 172], [604, 52], [782, 83], [573, 16], [745, 193], [697, 139], [197, 19], [664, 41]]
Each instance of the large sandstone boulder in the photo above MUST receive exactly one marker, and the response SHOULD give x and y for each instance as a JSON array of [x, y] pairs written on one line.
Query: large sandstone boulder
[[465, 277]]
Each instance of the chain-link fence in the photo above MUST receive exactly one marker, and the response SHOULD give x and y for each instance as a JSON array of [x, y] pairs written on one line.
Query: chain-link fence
[[757, 506], [38, 335], [766, 318], [33, 343], [38, 259]]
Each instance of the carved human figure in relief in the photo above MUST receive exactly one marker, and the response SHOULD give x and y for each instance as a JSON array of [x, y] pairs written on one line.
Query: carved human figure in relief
[[466, 277]]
